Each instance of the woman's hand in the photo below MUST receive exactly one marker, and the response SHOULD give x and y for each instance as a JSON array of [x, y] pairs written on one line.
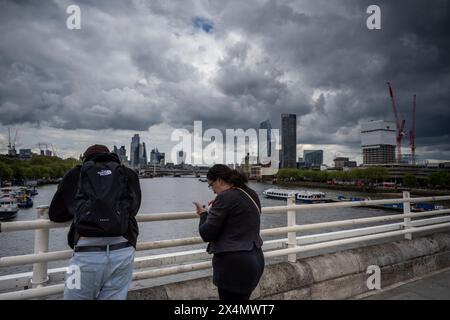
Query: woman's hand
[[200, 208]]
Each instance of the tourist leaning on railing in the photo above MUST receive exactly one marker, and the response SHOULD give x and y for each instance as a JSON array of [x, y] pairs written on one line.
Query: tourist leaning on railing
[[231, 225], [102, 197]]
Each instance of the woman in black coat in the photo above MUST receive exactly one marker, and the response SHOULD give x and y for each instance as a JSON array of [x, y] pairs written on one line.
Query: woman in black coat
[[231, 225]]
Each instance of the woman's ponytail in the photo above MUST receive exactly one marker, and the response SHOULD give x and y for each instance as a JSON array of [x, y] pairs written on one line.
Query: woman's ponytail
[[238, 179]]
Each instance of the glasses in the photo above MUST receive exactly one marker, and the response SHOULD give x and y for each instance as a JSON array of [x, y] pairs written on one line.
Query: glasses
[[210, 185]]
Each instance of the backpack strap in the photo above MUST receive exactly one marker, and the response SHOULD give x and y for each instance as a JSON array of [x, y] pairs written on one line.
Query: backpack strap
[[80, 192], [254, 202]]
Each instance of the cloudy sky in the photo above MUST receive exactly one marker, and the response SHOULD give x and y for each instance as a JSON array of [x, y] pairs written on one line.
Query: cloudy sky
[[150, 67]]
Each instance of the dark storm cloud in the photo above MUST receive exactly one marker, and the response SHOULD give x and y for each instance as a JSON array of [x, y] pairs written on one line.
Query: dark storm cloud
[[231, 64]]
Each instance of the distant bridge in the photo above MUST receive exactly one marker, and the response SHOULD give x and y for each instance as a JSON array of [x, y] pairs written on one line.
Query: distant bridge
[[171, 172]]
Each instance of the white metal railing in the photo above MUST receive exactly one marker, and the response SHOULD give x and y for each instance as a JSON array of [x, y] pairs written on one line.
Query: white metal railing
[[40, 277]]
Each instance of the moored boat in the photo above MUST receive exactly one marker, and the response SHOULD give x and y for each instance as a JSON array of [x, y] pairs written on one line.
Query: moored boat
[[24, 200], [31, 190], [8, 207], [415, 207], [279, 194], [312, 197], [344, 198], [21, 194]]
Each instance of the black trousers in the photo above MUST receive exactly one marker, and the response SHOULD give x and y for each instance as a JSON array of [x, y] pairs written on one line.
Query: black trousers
[[236, 274], [226, 295]]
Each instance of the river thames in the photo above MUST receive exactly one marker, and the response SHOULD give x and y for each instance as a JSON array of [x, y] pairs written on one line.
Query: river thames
[[168, 194]]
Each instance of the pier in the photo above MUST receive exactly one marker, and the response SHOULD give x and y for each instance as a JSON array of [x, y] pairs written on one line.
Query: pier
[[327, 265]]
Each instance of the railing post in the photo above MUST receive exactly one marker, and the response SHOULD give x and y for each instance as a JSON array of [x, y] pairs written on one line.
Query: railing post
[[406, 210], [292, 236], [41, 241]]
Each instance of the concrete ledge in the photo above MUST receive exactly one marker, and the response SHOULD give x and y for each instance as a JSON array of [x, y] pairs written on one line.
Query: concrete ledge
[[339, 275]]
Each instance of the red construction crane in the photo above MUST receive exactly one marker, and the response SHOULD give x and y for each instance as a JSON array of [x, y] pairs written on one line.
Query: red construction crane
[[412, 132], [400, 125]]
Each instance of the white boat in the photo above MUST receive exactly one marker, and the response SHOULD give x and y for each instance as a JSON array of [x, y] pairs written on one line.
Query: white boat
[[8, 207], [311, 197], [280, 194], [300, 195]]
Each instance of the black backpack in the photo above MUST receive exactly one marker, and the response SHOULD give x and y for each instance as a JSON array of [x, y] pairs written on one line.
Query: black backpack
[[102, 202]]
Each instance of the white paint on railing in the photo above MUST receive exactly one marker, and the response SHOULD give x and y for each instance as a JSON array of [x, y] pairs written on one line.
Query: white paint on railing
[[31, 225], [291, 222], [41, 243], [329, 244], [295, 244], [22, 280], [139, 275], [60, 255], [406, 211]]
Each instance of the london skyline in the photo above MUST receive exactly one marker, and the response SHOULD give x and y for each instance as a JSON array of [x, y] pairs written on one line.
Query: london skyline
[[152, 67]]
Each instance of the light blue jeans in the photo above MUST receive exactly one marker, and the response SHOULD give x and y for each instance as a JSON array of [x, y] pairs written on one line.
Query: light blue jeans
[[102, 275]]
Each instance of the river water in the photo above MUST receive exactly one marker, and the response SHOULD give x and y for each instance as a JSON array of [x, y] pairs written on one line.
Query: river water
[[168, 194]]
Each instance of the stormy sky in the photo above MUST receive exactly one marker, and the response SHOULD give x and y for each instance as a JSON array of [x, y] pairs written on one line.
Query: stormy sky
[[150, 67]]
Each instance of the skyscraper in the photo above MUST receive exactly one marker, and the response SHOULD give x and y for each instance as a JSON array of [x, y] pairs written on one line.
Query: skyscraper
[[289, 140], [134, 151], [265, 147], [157, 157], [122, 153], [181, 157], [143, 156], [313, 157]]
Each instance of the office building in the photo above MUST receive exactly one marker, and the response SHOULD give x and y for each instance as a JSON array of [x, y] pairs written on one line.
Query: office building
[[25, 153], [138, 152], [313, 157], [122, 153], [343, 162], [181, 157], [265, 146], [378, 142], [289, 140], [134, 151], [157, 157]]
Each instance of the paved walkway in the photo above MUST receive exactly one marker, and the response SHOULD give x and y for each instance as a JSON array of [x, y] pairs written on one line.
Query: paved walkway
[[433, 287]]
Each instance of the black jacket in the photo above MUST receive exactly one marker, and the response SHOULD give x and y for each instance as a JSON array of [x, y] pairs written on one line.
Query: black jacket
[[62, 207], [232, 223]]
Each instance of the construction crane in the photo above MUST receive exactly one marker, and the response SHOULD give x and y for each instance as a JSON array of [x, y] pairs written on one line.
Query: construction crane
[[41, 145], [53, 150], [412, 132], [400, 125], [12, 144]]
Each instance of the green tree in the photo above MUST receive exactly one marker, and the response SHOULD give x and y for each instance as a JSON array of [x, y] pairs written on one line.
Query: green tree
[[6, 173], [36, 172], [57, 170], [446, 179], [287, 173], [434, 179], [376, 174], [409, 180], [28, 172], [18, 172]]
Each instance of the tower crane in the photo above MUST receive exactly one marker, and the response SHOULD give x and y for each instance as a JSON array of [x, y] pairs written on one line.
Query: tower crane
[[53, 150], [12, 143], [412, 132], [400, 125]]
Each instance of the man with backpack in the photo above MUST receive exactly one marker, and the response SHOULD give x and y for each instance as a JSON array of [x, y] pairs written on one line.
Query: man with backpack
[[102, 198]]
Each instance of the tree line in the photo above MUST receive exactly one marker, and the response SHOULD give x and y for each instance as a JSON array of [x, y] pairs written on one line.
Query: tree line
[[38, 167], [367, 175]]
